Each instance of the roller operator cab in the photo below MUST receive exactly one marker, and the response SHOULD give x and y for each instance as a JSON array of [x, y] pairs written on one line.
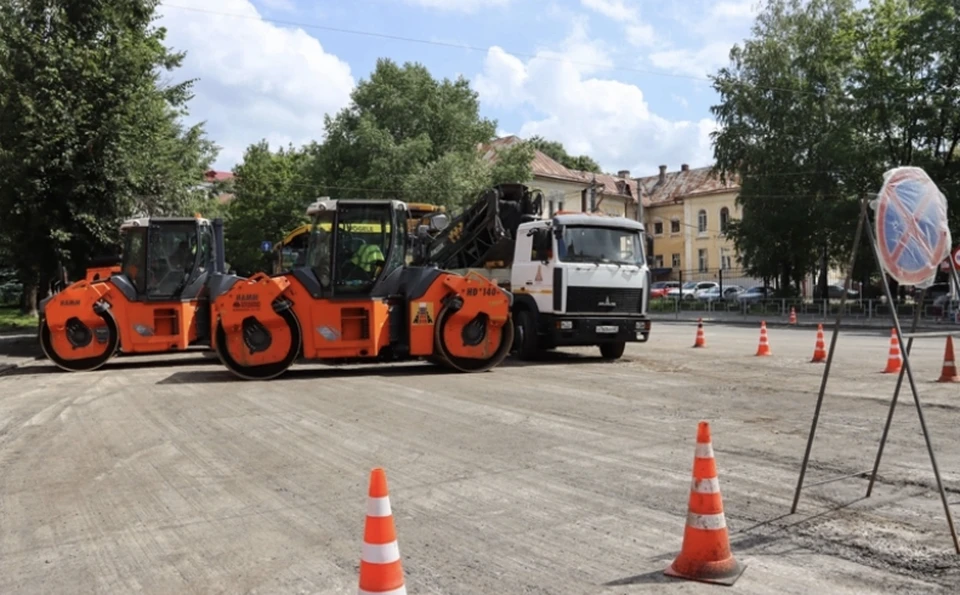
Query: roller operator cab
[[353, 298], [156, 301], [580, 279]]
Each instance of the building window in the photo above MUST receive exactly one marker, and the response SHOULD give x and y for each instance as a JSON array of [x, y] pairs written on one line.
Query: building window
[[725, 259], [551, 207], [658, 228], [702, 221], [658, 261], [674, 226], [724, 219], [702, 260], [675, 260]]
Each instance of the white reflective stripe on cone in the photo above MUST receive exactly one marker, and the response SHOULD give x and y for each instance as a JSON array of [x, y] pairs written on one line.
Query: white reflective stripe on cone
[[948, 363], [398, 591], [378, 507], [380, 554], [706, 521], [706, 486], [703, 451]]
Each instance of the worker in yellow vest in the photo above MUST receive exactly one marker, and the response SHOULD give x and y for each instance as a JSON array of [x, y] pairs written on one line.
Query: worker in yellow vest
[[369, 258]]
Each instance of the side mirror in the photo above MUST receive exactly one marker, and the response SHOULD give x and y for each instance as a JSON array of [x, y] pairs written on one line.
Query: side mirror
[[438, 222], [650, 261]]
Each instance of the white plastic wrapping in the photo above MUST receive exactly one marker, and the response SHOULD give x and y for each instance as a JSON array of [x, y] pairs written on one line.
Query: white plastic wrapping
[[912, 233]]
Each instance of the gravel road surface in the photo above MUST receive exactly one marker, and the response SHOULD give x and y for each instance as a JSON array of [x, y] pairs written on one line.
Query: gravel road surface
[[571, 475]]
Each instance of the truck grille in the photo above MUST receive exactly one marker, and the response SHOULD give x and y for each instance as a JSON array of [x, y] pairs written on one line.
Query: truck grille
[[599, 300]]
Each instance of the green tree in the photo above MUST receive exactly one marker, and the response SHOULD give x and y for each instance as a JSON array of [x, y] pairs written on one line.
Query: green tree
[[787, 131], [558, 153], [272, 193], [88, 132], [408, 136], [907, 87]]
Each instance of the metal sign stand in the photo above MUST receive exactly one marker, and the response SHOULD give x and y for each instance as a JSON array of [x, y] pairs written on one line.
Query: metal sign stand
[[864, 222]]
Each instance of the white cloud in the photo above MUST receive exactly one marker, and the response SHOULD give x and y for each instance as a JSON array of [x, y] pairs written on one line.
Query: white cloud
[[279, 5], [693, 62], [604, 118], [638, 32], [613, 9], [735, 9], [256, 79], [468, 6]]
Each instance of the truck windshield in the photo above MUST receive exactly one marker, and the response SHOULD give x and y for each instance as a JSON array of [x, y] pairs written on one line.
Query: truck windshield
[[581, 243]]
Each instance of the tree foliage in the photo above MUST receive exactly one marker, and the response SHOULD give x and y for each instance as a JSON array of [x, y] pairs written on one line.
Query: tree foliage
[[88, 132], [409, 136], [820, 101], [558, 153], [272, 192]]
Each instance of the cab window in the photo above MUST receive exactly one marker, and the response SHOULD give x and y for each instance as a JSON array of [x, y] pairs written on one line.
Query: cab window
[[134, 259], [172, 254]]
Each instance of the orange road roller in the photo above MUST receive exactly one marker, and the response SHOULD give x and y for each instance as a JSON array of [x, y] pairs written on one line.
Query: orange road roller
[[157, 301], [354, 299]]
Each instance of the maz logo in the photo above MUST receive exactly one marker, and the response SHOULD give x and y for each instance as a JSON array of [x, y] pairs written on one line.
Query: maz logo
[[608, 303]]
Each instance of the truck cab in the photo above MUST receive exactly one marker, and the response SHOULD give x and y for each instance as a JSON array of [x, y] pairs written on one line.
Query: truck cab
[[580, 279]]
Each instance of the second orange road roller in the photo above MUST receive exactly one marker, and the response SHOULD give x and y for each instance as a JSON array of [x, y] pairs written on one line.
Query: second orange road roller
[[354, 299]]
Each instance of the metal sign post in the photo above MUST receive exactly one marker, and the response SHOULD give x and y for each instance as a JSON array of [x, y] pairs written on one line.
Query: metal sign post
[[919, 265]]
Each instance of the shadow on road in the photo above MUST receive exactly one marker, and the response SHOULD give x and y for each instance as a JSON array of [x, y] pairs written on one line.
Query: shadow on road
[[118, 364], [309, 372]]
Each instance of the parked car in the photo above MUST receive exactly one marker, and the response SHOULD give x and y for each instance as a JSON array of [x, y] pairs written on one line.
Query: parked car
[[755, 294], [690, 289], [835, 292], [713, 294], [660, 288]]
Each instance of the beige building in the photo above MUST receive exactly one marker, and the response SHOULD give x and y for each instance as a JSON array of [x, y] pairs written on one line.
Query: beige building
[[687, 217], [563, 188]]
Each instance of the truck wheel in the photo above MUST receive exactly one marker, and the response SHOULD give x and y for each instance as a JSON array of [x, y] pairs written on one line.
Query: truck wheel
[[525, 336], [612, 350]]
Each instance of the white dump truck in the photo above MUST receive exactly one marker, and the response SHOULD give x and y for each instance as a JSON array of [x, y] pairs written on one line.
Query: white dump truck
[[577, 279]]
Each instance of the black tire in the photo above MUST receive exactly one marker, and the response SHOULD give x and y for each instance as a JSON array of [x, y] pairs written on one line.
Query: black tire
[[265, 371], [525, 335], [82, 365], [464, 364], [612, 350]]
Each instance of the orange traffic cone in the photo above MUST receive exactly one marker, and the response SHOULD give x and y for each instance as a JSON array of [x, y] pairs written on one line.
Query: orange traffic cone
[[764, 348], [380, 567], [820, 350], [705, 554], [949, 373], [893, 359], [701, 339], [793, 315]]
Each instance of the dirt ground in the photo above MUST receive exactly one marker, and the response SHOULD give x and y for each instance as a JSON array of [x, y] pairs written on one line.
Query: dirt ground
[[571, 475]]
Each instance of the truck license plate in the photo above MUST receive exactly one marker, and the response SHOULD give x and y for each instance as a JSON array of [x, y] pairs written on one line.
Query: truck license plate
[[608, 329]]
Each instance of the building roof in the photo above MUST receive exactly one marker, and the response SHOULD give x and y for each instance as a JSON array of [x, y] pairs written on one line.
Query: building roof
[[212, 175], [673, 186], [544, 166]]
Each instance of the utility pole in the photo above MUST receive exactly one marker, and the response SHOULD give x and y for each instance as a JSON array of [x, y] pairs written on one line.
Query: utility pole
[[593, 194], [639, 200]]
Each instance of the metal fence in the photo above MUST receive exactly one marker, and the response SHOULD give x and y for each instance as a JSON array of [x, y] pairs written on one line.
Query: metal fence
[[809, 309]]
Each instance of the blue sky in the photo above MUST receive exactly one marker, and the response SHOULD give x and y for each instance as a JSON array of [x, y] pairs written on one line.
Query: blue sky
[[621, 80]]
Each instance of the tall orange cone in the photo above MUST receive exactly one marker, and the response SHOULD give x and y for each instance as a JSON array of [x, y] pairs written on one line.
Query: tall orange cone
[[701, 340], [764, 347], [949, 372], [380, 569], [820, 350], [705, 554], [893, 359], [793, 315]]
